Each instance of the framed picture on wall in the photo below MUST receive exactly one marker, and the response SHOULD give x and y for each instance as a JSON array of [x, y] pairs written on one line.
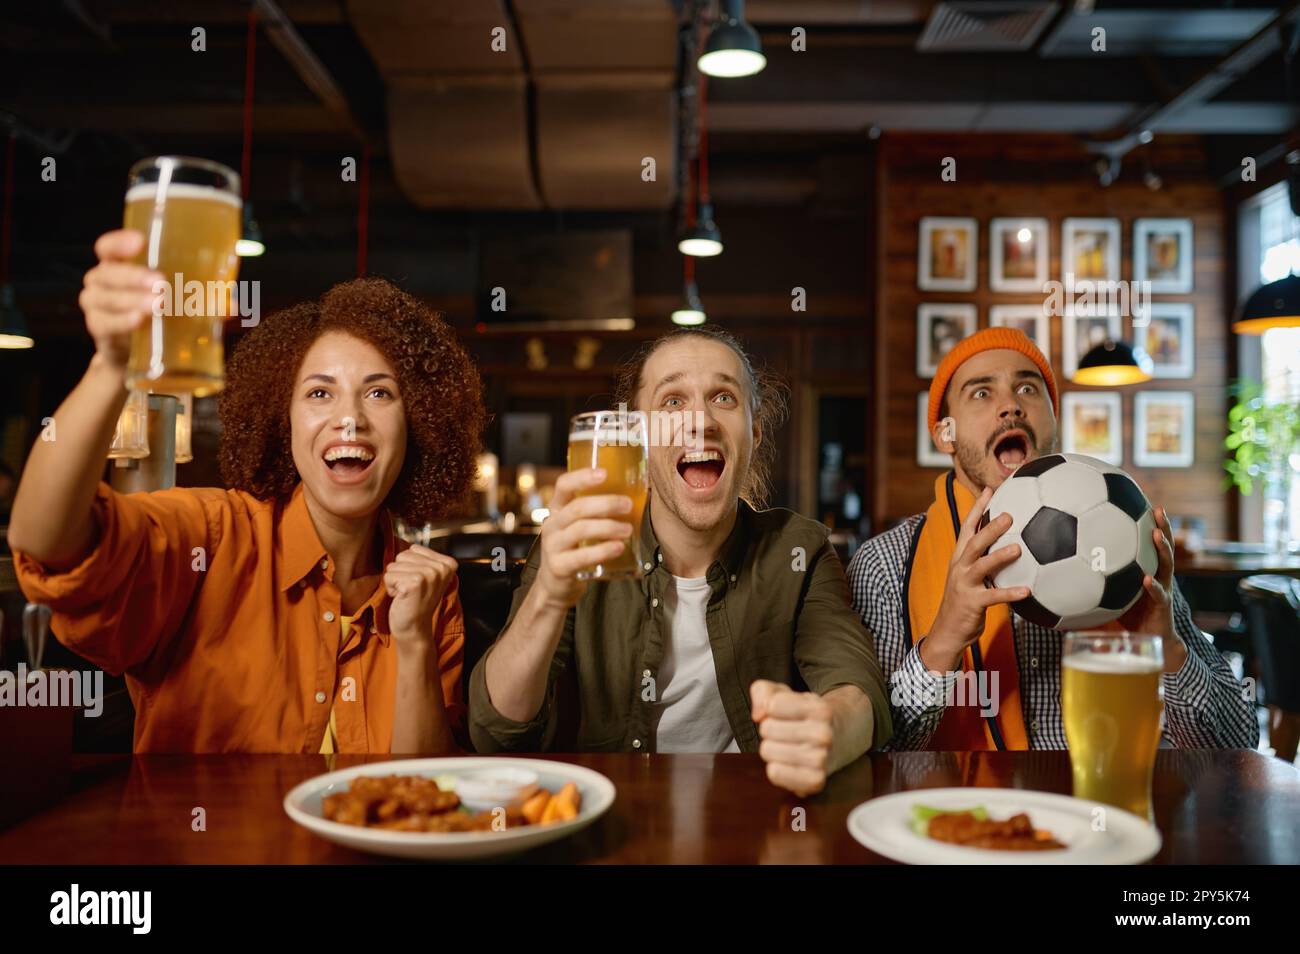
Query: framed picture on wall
[[927, 455], [1081, 332], [1162, 254], [1091, 424], [1164, 428], [525, 438], [939, 326], [1031, 319], [1170, 339], [1090, 249], [1017, 255], [948, 250]]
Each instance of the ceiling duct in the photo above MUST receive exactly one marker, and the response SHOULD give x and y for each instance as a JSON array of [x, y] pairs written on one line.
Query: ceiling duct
[[595, 134], [457, 108], [462, 143], [603, 79], [971, 27], [838, 12]]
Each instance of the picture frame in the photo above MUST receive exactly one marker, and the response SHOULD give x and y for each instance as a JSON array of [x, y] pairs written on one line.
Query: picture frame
[[1018, 254], [1163, 253], [939, 326], [927, 455], [1169, 338], [1081, 331], [1164, 428], [1092, 424], [1033, 320], [947, 253], [1090, 249], [525, 438]]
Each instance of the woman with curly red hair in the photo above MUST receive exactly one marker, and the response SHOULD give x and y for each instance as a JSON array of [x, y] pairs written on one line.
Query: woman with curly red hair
[[281, 614]]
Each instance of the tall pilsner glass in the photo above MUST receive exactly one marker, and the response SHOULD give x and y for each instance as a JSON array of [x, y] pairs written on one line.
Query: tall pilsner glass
[[617, 442], [189, 212], [1112, 699]]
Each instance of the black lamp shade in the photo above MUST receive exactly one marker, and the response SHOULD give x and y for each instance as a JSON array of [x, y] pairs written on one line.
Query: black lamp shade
[[251, 243], [13, 326], [1113, 363], [732, 49], [1275, 305], [692, 311], [704, 239]]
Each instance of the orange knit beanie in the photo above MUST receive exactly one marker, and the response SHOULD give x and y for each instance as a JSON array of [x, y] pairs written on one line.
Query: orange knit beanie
[[989, 339]]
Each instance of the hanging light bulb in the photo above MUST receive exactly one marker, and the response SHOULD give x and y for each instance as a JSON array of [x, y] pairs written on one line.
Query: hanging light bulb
[[250, 244], [733, 48], [13, 326], [1277, 303], [1113, 363], [692, 310], [703, 240], [702, 237]]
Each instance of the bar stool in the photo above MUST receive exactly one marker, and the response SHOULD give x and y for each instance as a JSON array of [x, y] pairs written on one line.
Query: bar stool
[[1273, 616]]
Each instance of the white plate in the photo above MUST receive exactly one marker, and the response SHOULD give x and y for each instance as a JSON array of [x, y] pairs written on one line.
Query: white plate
[[303, 805], [885, 826]]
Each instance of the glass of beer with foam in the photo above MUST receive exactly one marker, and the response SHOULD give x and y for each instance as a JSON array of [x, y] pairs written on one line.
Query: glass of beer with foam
[[618, 442], [1112, 701], [189, 212]]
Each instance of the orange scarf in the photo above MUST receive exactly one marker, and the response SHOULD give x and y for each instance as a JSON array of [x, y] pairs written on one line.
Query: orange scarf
[[962, 728]]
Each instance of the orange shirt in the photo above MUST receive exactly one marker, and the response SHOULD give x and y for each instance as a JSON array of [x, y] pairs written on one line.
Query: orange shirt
[[222, 612]]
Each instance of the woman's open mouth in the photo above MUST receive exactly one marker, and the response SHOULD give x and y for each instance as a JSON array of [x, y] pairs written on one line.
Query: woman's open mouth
[[348, 463], [1011, 450], [701, 470]]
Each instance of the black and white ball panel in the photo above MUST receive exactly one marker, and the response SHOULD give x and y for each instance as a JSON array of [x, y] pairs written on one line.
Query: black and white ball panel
[[1084, 529], [1051, 535]]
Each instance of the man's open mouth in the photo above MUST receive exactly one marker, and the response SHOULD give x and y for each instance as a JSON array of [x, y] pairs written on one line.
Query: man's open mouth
[[348, 462], [701, 469], [1011, 449]]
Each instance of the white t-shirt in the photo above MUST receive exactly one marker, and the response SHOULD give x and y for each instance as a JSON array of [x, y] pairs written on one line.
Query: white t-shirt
[[691, 715]]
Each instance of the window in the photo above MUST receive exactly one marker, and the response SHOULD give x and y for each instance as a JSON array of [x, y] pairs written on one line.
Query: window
[[1271, 244]]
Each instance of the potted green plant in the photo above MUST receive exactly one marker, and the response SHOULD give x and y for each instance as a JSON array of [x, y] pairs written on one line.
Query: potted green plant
[[1264, 444]]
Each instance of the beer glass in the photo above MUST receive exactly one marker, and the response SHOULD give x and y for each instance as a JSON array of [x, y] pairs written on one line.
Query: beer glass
[[189, 212], [1112, 700], [618, 442]]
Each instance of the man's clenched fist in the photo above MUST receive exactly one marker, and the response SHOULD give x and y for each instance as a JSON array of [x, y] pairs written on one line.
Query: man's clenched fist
[[797, 732]]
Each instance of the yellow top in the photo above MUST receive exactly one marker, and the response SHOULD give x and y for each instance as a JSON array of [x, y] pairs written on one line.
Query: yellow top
[[329, 744]]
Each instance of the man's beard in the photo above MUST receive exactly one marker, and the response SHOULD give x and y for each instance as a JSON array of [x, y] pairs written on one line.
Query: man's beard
[[974, 460], [666, 489]]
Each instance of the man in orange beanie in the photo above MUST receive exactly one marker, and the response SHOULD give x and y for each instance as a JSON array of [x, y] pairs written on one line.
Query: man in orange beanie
[[966, 672]]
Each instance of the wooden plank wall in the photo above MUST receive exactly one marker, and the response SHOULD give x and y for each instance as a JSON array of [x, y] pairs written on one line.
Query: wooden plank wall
[[1051, 177]]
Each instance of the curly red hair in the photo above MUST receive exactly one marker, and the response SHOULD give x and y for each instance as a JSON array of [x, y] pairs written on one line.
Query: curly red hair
[[439, 384]]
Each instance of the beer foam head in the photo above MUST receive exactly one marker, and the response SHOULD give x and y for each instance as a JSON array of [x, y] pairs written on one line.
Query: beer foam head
[[1115, 664], [181, 190]]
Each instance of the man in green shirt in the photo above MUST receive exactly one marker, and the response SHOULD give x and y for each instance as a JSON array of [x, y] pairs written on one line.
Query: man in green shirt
[[740, 635]]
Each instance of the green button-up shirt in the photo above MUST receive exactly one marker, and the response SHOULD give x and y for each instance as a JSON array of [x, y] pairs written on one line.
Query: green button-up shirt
[[779, 609]]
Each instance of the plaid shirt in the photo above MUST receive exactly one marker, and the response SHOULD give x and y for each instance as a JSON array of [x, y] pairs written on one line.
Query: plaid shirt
[[1205, 705]]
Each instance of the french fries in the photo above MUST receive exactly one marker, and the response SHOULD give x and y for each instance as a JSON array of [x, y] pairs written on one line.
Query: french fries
[[544, 808], [534, 807]]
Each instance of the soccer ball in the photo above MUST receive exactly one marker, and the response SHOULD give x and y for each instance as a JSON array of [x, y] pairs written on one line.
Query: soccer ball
[[1084, 530]]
